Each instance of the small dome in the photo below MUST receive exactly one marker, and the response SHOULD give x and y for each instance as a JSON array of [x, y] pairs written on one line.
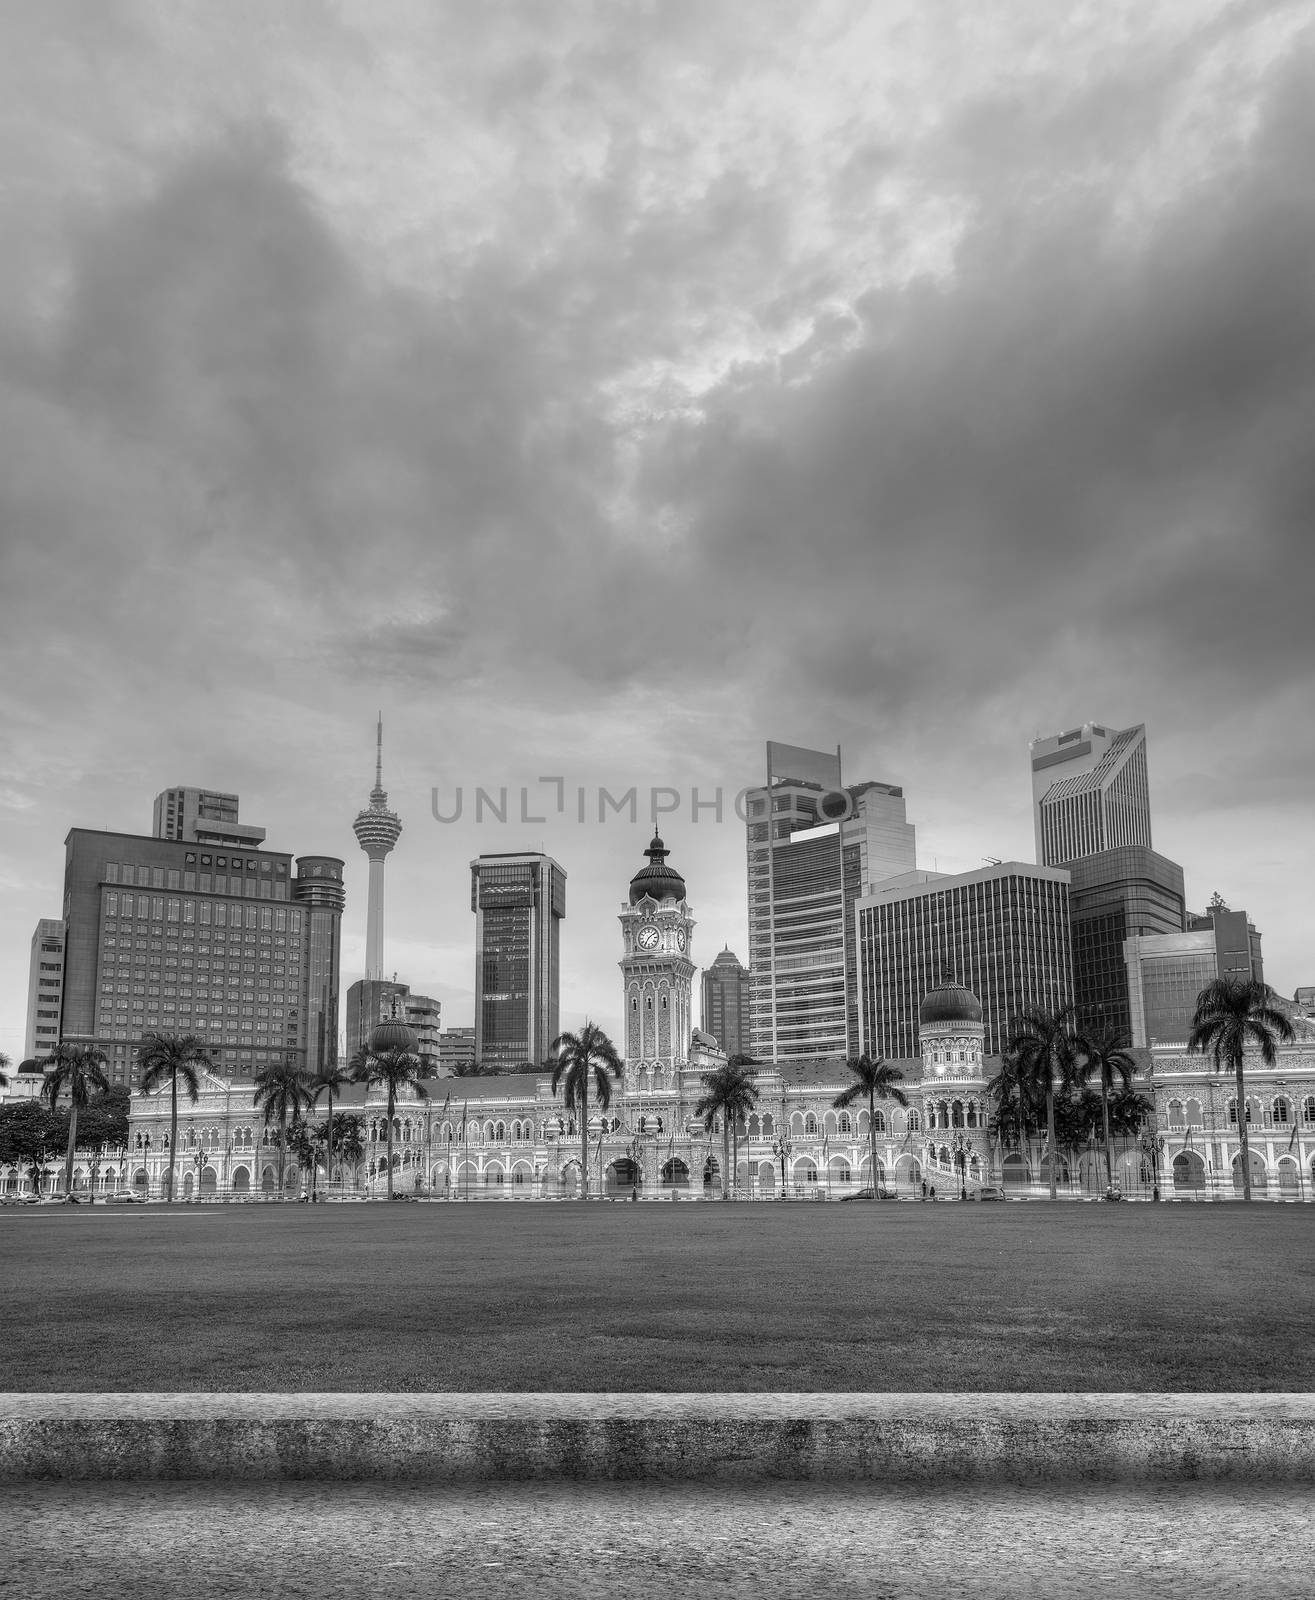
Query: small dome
[[657, 879], [392, 1036], [950, 1002]]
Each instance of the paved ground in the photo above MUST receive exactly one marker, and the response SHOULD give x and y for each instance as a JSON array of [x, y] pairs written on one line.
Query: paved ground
[[649, 1541]]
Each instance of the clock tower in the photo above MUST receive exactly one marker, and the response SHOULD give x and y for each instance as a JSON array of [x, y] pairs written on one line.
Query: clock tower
[[657, 976]]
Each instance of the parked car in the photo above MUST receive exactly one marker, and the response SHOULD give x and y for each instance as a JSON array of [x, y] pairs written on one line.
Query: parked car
[[991, 1191], [123, 1200]]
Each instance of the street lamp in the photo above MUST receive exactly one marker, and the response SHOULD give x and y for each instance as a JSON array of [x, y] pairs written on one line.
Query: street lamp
[[959, 1148], [1152, 1144], [782, 1148]]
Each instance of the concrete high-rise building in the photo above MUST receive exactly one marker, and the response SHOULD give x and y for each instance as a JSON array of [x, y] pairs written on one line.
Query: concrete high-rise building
[[1002, 931], [726, 1003], [1090, 792], [519, 901], [377, 831], [815, 845], [455, 1045], [1166, 972], [374, 1000], [231, 944], [203, 816], [45, 989]]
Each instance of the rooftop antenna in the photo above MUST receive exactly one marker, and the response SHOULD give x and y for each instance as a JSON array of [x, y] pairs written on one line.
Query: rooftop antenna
[[379, 754]]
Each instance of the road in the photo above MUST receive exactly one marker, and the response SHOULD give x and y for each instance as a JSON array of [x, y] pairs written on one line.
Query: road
[[645, 1541]]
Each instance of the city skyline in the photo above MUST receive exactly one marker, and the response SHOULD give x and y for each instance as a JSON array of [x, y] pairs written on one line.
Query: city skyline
[[604, 393]]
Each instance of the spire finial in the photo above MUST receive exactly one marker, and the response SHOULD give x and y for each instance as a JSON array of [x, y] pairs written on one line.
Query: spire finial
[[379, 754]]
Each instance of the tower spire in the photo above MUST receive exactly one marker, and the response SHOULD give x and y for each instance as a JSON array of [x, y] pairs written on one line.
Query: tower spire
[[377, 830]]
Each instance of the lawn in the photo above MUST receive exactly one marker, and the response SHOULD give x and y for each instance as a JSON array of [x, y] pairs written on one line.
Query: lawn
[[660, 1297]]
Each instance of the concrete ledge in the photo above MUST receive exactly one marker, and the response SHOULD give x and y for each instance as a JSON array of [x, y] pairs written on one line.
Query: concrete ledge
[[878, 1438]]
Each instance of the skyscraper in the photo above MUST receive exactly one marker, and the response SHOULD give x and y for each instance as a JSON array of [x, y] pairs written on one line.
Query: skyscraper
[[377, 831], [814, 846], [726, 1003], [1089, 792], [519, 901], [1092, 814], [180, 936], [1003, 931]]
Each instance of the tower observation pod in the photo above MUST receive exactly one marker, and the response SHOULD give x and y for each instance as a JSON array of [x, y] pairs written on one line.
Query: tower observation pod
[[377, 830]]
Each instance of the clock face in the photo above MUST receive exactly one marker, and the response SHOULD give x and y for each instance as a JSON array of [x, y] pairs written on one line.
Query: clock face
[[680, 937], [648, 937]]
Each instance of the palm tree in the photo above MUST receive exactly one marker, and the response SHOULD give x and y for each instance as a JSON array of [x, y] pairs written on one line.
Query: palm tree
[[79, 1068], [4, 1070], [1229, 1012], [282, 1092], [1010, 1121], [329, 1080], [1044, 1049], [172, 1056], [578, 1056], [350, 1140], [396, 1069], [1105, 1056], [873, 1081], [729, 1093]]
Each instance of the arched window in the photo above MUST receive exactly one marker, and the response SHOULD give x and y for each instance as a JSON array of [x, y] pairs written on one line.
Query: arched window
[[1176, 1117], [1282, 1113], [915, 1122], [500, 1132], [769, 1126], [810, 1123], [1308, 1110]]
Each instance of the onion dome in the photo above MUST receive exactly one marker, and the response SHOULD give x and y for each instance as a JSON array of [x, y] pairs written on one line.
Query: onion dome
[[392, 1036], [657, 878], [950, 1002]]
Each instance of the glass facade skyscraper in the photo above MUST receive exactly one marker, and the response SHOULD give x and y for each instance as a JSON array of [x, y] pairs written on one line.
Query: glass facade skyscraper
[[1090, 792], [726, 1003], [519, 901]]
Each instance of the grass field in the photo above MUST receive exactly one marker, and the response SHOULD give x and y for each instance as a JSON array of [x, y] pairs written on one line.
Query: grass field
[[695, 1297]]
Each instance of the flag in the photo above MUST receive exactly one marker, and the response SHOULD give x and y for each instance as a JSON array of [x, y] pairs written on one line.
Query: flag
[[1292, 1137], [465, 1111]]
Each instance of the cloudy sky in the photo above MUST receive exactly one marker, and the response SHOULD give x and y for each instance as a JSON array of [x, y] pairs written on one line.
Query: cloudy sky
[[601, 388]]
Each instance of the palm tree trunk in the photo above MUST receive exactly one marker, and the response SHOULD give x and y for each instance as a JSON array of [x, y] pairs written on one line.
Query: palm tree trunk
[[68, 1154], [1242, 1128], [389, 1142], [173, 1131], [328, 1159], [725, 1154], [872, 1143], [1105, 1118], [584, 1132], [1050, 1136]]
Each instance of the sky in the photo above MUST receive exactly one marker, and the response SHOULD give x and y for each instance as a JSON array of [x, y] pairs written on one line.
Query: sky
[[601, 389]]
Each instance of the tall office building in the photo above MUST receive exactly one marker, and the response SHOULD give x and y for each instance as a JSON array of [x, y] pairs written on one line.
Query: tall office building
[[1002, 931], [203, 816], [726, 1003], [519, 901], [1114, 896], [1166, 972], [1091, 812], [1090, 792], [377, 831], [45, 989], [814, 846], [233, 945]]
